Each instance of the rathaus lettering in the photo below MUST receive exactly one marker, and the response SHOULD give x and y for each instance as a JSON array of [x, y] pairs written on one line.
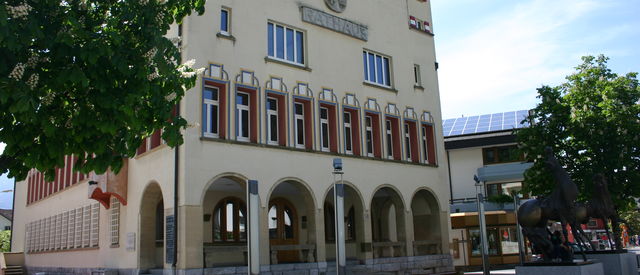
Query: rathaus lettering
[[335, 23]]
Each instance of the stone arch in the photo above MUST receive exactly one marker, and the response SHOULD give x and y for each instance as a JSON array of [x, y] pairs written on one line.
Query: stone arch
[[152, 235], [426, 223], [291, 221], [388, 222], [355, 223], [239, 178], [352, 186], [307, 187], [229, 225]]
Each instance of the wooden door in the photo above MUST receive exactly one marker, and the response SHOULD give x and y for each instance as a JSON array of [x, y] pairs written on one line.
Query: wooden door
[[283, 229]]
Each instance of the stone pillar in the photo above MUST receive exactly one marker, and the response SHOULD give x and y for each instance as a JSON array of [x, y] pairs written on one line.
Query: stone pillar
[[321, 246], [265, 254], [368, 235], [190, 237], [409, 235], [445, 226]]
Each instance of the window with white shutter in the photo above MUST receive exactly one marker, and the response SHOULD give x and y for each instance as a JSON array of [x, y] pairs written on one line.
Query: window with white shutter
[[115, 221], [64, 234], [72, 229], [86, 226], [51, 231], [78, 234], [95, 223]]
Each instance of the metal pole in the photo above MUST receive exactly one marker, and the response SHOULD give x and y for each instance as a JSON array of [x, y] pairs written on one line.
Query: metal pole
[[338, 201], [340, 236], [253, 203], [483, 235], [516, 205]]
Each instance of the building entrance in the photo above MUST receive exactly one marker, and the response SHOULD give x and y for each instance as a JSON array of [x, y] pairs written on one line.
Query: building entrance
[[283, 230]]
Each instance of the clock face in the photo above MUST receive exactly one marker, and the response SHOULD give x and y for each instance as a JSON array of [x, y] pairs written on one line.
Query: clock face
[[336, 5]]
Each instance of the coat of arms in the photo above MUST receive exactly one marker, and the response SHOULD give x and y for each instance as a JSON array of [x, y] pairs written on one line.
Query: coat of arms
[[336, 5]]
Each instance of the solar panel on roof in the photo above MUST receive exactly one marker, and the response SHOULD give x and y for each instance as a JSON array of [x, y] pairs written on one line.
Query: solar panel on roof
[[471, 126], [484, 123]]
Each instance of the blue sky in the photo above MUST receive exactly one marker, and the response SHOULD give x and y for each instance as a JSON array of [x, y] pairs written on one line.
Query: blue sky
[[493, 54]]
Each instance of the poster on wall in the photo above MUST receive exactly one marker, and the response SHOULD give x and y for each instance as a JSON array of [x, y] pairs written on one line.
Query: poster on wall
[[169, 237]]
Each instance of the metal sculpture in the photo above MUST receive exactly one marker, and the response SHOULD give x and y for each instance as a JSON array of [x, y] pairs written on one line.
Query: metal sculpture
[[534, 215]]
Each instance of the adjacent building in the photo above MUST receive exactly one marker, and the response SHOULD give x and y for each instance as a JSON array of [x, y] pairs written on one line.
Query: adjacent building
[[6, 216], [484, 146], [288, 86]]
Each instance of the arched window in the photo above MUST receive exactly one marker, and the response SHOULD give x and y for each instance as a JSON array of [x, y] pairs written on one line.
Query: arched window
[[329, 224], [230, 221]]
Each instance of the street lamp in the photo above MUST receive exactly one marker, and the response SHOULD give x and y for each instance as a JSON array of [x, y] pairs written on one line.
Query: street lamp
[[483, 227], [338, 200]]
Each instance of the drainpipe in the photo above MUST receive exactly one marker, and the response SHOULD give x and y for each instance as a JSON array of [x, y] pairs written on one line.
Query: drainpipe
[[175, 198], [450, 184], [13, 212]]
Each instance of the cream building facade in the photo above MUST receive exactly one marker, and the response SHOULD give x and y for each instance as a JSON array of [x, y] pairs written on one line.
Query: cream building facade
[[288, 87]]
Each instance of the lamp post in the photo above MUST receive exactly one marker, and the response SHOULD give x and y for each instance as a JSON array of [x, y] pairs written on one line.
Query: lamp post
[[483, 228], [338, 200]]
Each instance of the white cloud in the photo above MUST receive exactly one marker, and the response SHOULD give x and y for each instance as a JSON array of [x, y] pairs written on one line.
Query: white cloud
[[2, 145], [499, 63]]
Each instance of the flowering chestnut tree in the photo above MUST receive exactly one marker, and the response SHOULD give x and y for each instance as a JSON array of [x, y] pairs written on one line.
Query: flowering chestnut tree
[[90, 78], [593, 124]]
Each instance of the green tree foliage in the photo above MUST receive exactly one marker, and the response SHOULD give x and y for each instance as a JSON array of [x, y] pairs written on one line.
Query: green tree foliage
[[631, 218], [5, 240], [593, 124], [88, 77]]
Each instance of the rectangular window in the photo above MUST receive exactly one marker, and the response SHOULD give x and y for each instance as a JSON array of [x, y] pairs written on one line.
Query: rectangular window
[[225, 21], [115, 221], [425, 145], [324, 129], [368, 124], [242, 103], [210, 112], [272, 118], [407, 141], [285, 43], [502, 154], [299, 125], [389, 134], [416, 75], [376, 69], [347, 133]]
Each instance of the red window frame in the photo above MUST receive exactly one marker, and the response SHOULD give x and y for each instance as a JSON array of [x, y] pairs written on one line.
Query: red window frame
[[222, 106], [413, 138], [395, 136], [333, 126], [375, 127], [253, 112], [308, 122], [282, 117], [430, 158], [355, 130]]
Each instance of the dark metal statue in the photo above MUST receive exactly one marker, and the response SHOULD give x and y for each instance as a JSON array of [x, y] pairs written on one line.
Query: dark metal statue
[[534, 215]]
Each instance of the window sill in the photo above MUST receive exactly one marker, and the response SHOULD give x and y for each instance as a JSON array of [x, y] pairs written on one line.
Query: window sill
[[391, 89], [273, 60], [226, 36], [418, 87], [421, 31]]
